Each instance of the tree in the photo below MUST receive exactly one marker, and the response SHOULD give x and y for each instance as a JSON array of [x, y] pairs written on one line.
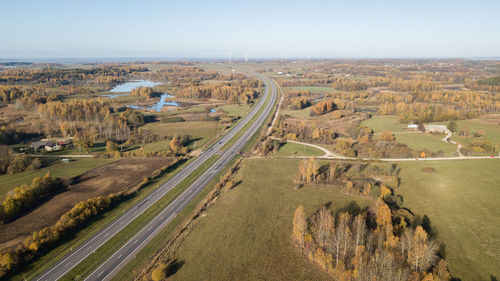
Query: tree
[[111, 147], [299, 226], [324, 226], [387, 136], [452, 126]]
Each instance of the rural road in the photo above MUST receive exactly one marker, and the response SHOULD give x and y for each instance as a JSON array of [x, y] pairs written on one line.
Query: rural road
[[330, 155], [122, 256]]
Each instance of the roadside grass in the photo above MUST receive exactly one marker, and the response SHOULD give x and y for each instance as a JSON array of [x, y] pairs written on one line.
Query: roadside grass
[[387, 122], [56, 254], [247, 234], [74, 167], [93, 261], [235, 110], [313, 89], [461, 200], [420, 141], [295, 149]]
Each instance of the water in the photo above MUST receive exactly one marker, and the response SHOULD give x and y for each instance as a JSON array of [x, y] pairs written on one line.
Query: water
[[129, 86], [212, 110], [159, 105]]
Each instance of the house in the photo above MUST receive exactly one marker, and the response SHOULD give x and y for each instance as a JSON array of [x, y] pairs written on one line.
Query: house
[[39, 144], [412, 126], [432, 128]]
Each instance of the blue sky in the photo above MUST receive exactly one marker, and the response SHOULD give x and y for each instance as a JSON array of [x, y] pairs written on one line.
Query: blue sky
[[191, 28]]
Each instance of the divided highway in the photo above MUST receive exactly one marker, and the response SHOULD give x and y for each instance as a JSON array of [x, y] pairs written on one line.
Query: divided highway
[[122, 256]]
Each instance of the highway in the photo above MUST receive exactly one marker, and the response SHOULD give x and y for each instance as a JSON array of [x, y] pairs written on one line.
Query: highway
[[122, 256]]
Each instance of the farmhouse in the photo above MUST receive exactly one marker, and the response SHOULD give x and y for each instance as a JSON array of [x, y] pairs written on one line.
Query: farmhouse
[[436, 128]]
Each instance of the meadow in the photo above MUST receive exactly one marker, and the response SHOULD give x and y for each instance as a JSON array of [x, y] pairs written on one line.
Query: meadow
[[246, 235], [202, 131], [461, 199]]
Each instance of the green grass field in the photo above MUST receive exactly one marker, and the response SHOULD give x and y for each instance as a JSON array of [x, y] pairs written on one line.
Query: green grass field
[[387, 122], [462, 200], [416, 141], [295, 149], [235, 110], [313, 89], [203, 130], [420, 141], [71, 169], [246, 235], [491, 131]]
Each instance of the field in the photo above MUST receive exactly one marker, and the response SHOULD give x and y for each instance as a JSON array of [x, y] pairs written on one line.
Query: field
[[491, 130], [419, 141], [381, 123], [71, 169], [111, 178], [200, 130], [314, 89], [295, 149], [235, 110], [246, 235], [415, 140], [461, 198]]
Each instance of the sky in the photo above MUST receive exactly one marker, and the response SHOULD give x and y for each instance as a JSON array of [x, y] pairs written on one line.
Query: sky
[[259, 29]]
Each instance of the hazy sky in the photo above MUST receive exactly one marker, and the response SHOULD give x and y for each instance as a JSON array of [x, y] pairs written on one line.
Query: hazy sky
[[213, 28]]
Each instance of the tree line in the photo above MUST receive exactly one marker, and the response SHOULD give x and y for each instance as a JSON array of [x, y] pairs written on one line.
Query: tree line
[[239, 91], [13, 164], [24, 197], [101, 74]]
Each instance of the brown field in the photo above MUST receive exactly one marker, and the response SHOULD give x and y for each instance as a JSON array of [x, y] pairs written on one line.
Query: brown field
[[110, 178]]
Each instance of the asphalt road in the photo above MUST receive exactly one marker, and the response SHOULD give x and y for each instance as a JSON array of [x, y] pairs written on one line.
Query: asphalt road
[[120, 258]]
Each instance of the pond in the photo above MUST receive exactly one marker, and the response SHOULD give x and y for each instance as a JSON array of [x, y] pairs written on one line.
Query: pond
[[129, 86], [159, 105]]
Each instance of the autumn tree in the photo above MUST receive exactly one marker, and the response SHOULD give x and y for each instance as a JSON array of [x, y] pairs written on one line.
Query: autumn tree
[[299, 225], [160, 272]]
